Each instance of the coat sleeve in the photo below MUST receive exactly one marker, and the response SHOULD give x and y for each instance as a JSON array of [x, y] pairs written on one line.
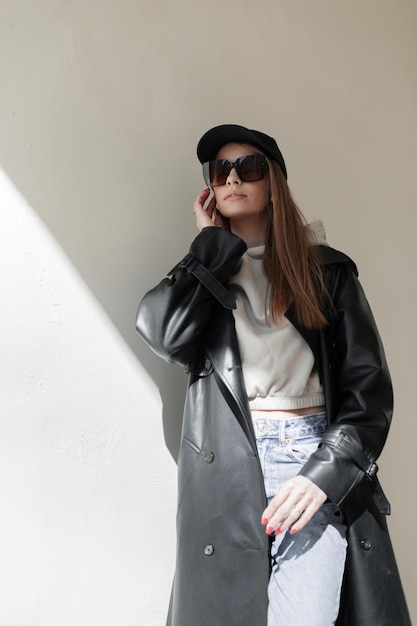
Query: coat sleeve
[[359, 427], [172, 317]]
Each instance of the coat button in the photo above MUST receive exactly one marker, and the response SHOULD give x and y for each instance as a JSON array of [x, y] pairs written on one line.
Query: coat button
[[366, 544], [208, 550], [209, 457]]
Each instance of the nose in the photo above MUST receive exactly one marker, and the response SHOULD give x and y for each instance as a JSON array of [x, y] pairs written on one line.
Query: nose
[[233, 177]]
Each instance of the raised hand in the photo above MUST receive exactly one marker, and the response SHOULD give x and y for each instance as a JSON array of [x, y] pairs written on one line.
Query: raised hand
[[207, 215]]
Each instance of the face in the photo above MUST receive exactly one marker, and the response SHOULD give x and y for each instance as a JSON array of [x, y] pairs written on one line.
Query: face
[[236, 199]]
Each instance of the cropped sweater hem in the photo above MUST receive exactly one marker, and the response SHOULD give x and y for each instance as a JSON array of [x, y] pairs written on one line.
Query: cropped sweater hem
[[286, 403]]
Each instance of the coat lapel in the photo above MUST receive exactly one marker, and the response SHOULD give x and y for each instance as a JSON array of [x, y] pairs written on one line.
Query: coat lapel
[[223, 350]]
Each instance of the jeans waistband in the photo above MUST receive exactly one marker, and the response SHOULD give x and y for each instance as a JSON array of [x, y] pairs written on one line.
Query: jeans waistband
[[316, 423]]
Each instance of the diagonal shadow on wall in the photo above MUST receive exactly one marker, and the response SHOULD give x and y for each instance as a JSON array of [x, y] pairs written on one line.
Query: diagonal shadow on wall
[[121, 237]]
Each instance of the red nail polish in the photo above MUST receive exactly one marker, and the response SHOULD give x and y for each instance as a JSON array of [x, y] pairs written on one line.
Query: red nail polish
[[278, 531], [293, 531], [264, 521], [269, 531]]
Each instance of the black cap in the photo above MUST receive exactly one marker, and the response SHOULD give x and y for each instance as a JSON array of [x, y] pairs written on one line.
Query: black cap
[[214, 139]]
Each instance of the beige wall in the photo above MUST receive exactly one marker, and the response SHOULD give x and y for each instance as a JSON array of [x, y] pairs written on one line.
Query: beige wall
[[102, 105]]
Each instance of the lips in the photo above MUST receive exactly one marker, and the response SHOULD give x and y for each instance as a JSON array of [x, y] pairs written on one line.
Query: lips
[[233, 195]]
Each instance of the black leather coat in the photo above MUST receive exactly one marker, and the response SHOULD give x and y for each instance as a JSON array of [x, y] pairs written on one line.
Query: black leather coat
[[222, 567]]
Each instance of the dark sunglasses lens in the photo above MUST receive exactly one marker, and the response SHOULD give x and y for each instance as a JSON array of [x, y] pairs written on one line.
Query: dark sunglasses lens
[[219, 171], [216, 172], [251, 168]]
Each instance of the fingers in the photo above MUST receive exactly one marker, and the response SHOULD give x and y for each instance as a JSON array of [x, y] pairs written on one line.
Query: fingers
[[203, 218], [293, 506], [210, 208], [206, 215], [202, 197]]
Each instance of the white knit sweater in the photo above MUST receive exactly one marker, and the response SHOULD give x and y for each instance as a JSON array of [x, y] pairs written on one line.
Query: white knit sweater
[[278, 365]]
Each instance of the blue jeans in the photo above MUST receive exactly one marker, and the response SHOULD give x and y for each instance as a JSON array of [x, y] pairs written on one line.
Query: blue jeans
[[307, 567]]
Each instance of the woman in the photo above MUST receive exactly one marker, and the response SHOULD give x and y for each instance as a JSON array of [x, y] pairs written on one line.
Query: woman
[[281, 519]]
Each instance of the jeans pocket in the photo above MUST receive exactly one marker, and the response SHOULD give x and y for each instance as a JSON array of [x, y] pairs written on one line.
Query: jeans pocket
[[302, 448]]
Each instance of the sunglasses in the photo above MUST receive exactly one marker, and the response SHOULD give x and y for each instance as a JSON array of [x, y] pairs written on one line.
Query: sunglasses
[[249, 169]]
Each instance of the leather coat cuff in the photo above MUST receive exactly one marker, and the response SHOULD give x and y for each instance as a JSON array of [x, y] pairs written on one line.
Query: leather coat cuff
[[338, 466], [214, 256], [193, 266]]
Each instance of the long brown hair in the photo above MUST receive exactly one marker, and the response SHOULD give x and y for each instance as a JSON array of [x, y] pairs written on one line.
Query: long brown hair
[[291, 263]]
